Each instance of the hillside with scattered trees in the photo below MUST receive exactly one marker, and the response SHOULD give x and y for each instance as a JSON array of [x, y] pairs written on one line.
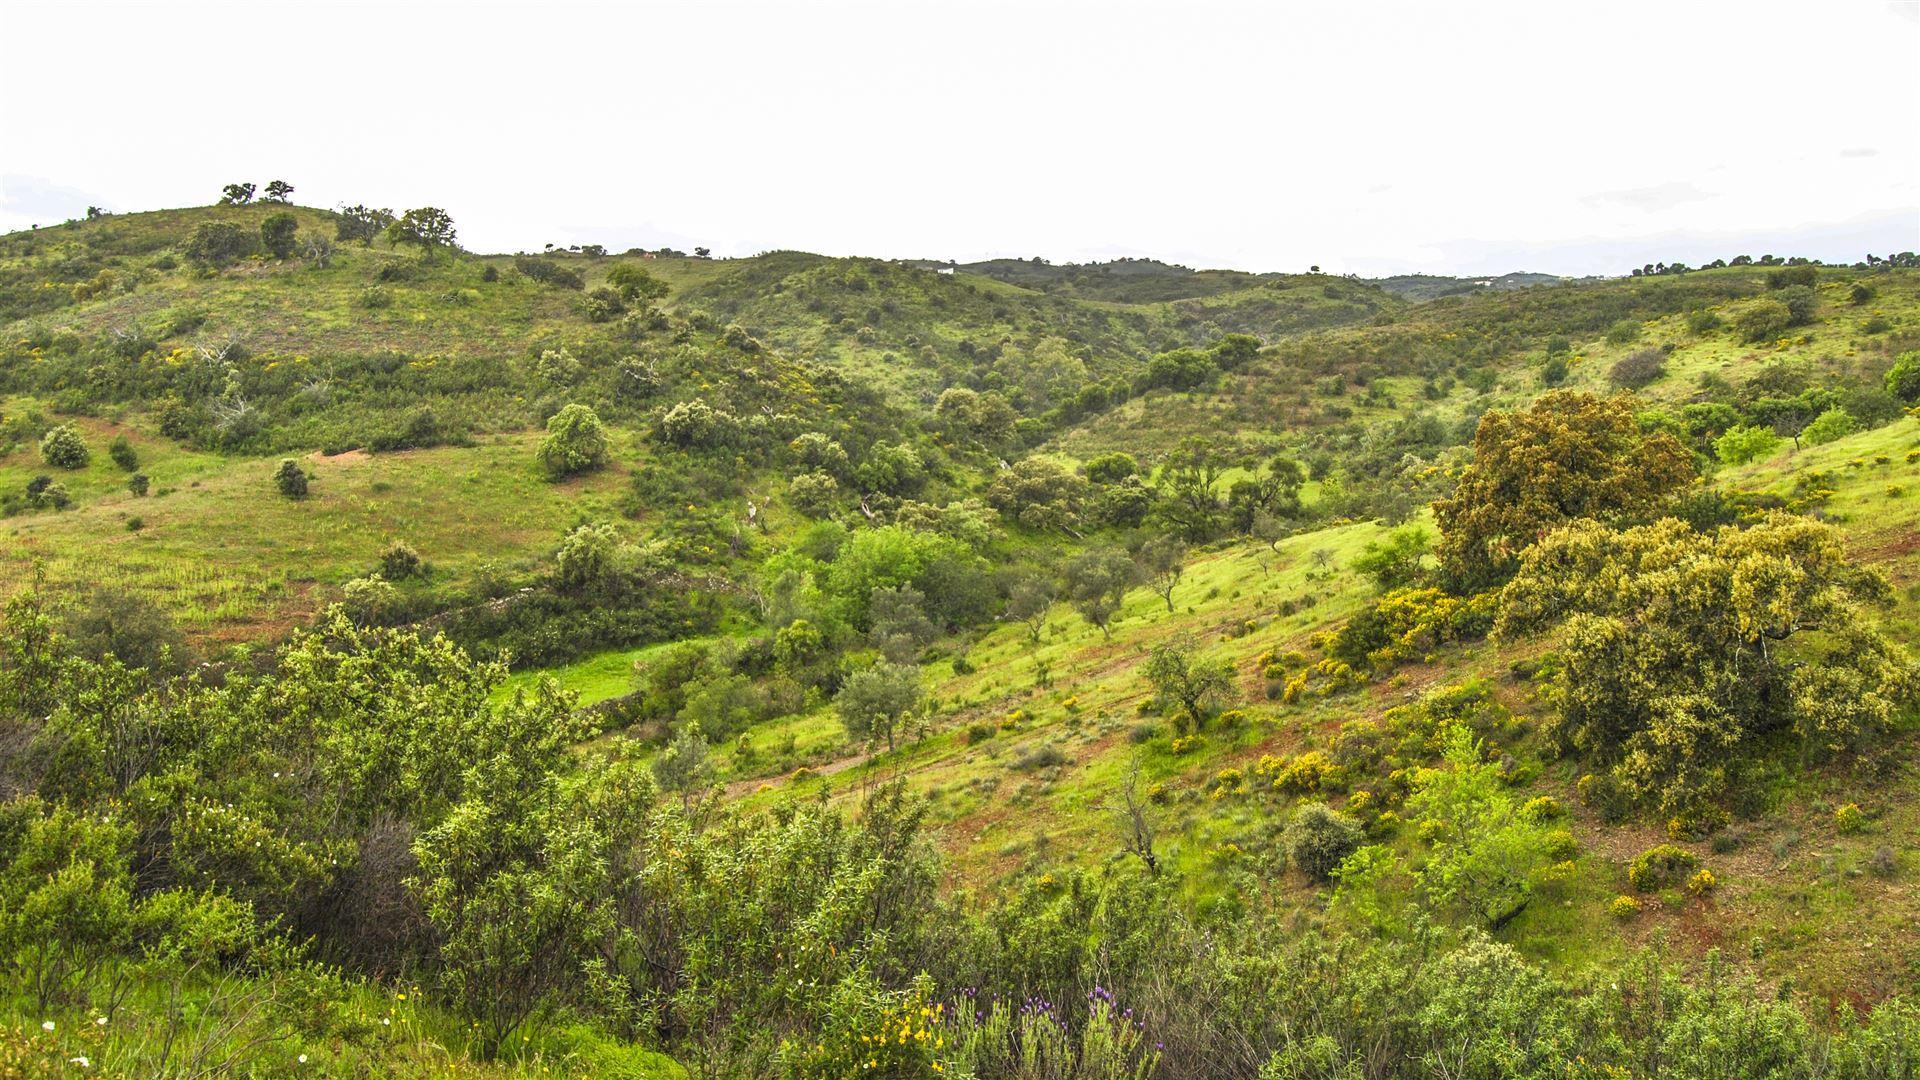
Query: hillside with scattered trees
[[418, 662]]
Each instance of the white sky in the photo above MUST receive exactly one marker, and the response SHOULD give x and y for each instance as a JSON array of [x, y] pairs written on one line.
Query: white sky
[[1368, 137]]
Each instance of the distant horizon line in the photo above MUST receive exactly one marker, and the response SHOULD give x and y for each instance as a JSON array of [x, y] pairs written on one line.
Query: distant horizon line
[[1722, 262]]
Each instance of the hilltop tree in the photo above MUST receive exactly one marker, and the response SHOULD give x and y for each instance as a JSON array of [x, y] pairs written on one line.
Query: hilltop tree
[[279, 191], [428, 228], [1684, 649], [1570, 455], [874, 700], [575, 442], [236, 195], [362, 223], [1097, 583]]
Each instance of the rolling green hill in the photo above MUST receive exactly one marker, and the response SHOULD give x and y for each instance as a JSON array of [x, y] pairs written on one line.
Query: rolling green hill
[[959, 615]]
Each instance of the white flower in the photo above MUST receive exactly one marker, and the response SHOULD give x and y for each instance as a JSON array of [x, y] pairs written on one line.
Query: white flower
[[80, 1061], [303, 1059], [101, 1020], [386, 1021], [46, 1025]]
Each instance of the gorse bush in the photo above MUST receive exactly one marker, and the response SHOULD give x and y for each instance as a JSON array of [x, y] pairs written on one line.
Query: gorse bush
[[1683, 650]]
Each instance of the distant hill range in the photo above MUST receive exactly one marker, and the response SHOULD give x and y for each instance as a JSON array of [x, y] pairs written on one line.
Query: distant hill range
[[1150, 280]]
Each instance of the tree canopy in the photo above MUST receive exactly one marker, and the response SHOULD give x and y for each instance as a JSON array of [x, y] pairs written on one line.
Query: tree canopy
[[1570, 455]]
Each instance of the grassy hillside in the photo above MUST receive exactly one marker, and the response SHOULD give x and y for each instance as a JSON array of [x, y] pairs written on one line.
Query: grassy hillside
[[806, 600]]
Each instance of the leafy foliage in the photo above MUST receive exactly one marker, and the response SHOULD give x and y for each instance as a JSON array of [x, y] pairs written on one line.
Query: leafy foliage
[[1568, 456], [1684, 651]]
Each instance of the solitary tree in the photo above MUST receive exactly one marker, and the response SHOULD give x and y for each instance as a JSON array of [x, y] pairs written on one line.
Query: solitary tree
[[1031, 601], [1163, 562], [873, 701], [1188, 481], [236, 194], [1186, 681], [1396, 562], [428, 228], [1134, 820], [575, 442], [279, 191], [1097, 583], [685, 767]]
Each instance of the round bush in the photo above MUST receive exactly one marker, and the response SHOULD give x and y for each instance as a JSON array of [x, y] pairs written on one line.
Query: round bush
[[1660, 865], [575, 442], [291, 479], [1318, 839], [63, 448]]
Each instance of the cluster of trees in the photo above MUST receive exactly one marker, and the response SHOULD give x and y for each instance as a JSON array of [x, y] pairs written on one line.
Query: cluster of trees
[[277, 191], [360, 805]]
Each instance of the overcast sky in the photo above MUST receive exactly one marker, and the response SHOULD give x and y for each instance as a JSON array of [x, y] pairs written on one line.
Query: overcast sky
[[1449, 137]]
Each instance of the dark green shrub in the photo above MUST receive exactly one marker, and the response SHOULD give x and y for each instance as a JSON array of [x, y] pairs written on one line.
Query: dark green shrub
[[1793, 276], [603, 305], [1801, 302], [1318, 839], [400, 562], [1762, 320], [1704, 322], [277, 234], [137, 483], [123, 453], [290, 479], [549, 273], [1624, 332], [218, 243]]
